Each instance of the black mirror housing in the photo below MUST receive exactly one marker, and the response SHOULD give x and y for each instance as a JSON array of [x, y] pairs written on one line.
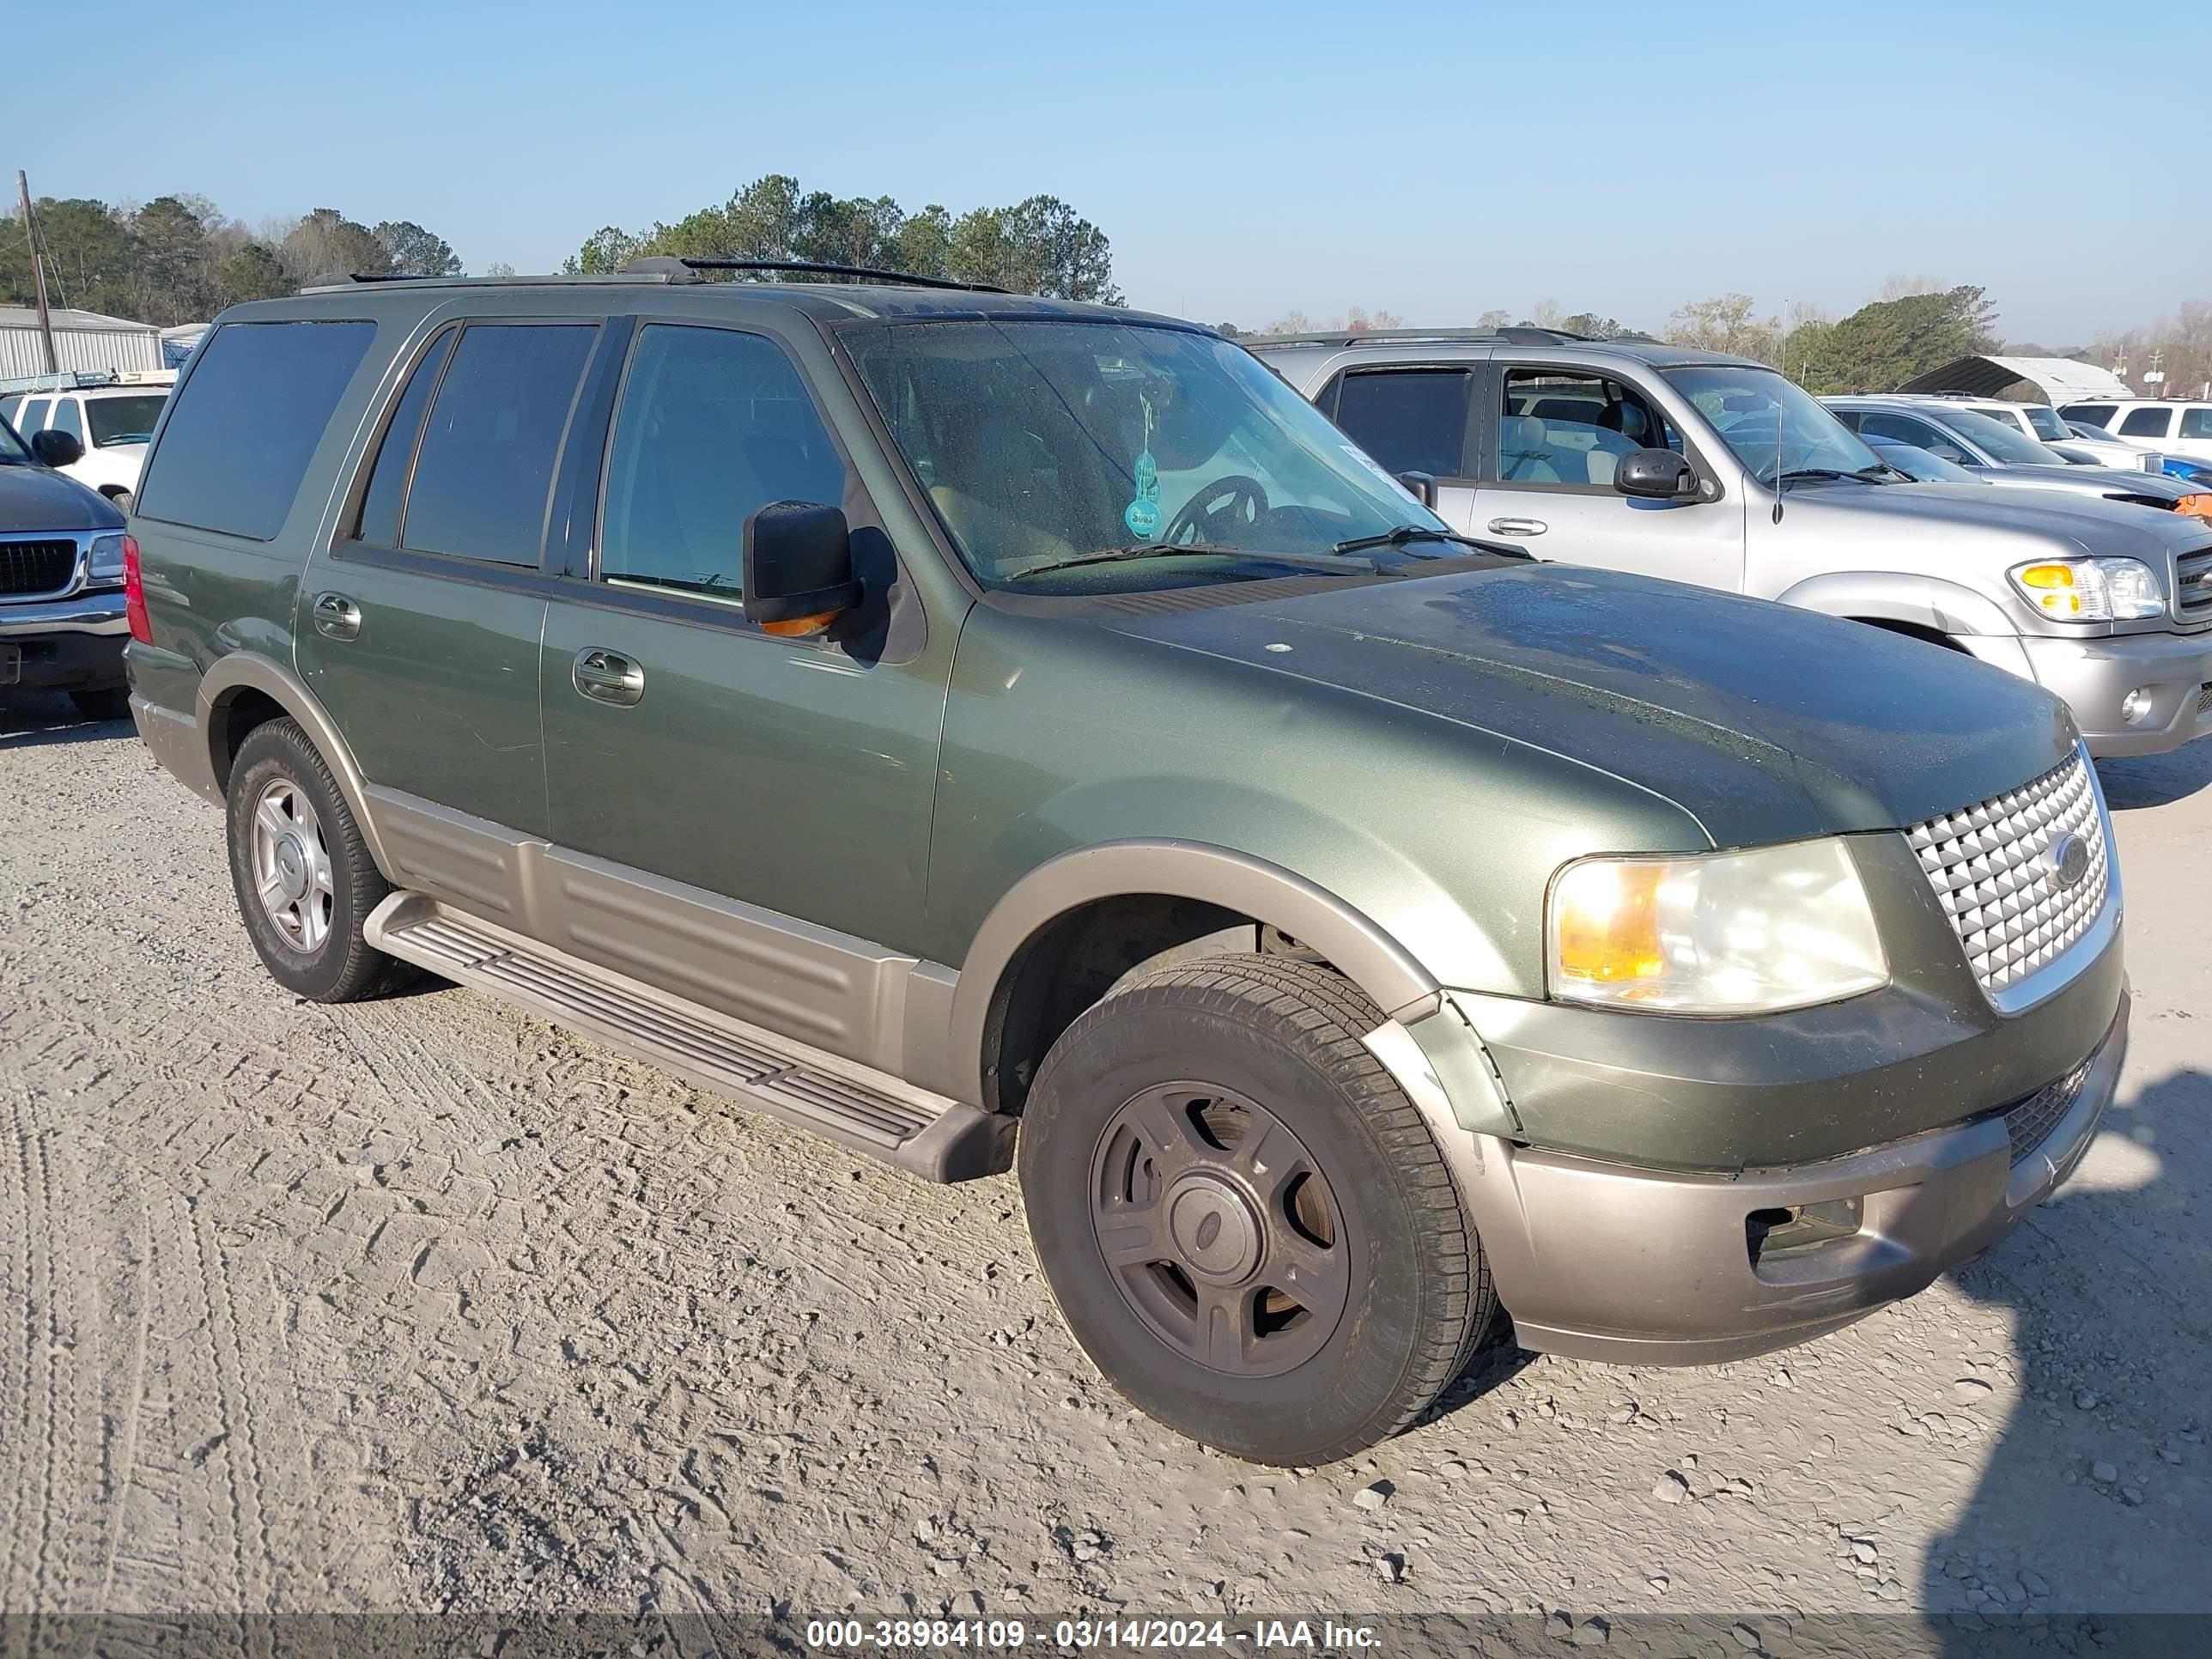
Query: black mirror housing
[[1655, 475], [799, 563], [57, 448], [1424, 486]]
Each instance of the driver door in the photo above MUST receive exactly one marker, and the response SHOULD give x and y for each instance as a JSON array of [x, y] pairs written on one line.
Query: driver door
[[1553, 435]]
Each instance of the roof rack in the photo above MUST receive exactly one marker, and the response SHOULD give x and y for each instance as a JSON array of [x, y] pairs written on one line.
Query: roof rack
[[810, 267], [1345, 337], [73, 379]]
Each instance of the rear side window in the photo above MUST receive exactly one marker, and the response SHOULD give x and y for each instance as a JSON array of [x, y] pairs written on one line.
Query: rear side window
[[2145, 422], [7, 408], [1412, 420], [2089, 413], [714, 425], [34, 415], [395, 457], [492, 440], [66, 418], [247, 424]]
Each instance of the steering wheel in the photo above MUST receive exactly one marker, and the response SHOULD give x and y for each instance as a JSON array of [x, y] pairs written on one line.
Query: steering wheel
[[1230, 504]]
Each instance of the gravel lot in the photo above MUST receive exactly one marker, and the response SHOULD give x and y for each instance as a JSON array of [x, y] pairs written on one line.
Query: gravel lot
[[426, 1304]]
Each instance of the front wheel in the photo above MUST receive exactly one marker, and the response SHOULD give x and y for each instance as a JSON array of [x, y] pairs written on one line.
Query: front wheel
[[1246, 1223]]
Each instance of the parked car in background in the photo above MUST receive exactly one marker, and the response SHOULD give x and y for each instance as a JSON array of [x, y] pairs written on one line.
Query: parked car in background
[[63, 556], [1998, 451], [1704, 468], [111, 416], [1344, 929], [2179, 427], [2040, 425]]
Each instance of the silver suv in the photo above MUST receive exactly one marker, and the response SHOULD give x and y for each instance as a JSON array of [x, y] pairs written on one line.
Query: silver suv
[[1710, 469]]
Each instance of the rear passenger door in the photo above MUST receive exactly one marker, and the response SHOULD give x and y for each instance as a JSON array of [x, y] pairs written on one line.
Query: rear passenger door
[[795, 775], [1554, 436], [1415, 419], [420, 630]]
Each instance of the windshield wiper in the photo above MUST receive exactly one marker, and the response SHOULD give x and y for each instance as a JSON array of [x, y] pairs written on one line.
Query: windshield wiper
[[1153, 551], [1412, 532]]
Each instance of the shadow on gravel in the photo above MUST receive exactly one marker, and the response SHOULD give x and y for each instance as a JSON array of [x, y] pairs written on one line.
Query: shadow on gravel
[[2156, 779], [33, 720], [2094, 1513]]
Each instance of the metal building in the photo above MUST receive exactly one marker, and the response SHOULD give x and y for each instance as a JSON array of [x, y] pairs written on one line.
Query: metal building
[[83, 339]]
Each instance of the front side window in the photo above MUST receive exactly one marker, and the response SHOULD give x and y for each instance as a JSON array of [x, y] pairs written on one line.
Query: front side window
[[1412, 420], [14, 452], [1904, 429], [1047, 443], [714, 426], [2001, 439], [246, 423], [2089, 413], [1771, 425], [2043, 422], [68, 418], [123, 419], [492, 440], [2196, 424], [2145, 422], [1559, 427], [7, 408], [34, 415]]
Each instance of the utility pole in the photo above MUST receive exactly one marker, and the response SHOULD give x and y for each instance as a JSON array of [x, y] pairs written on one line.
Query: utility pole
[[38, 272]]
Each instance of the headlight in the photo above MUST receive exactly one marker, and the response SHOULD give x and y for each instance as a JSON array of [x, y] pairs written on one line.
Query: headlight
[[2091, 590], [1720, 933], [106, 566]]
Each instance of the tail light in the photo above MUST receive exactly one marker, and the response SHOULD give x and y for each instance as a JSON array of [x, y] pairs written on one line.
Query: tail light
[[134, 594]]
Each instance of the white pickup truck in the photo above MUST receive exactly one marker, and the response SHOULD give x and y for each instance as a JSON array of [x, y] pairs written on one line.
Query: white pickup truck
[[110, 413]]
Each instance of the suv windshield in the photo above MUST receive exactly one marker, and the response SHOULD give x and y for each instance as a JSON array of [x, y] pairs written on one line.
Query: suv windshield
[[1772, 425], [123, 419], [1046, 441], [2001, 438]]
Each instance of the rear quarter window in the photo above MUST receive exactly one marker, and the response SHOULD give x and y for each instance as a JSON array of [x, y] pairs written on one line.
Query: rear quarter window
[[246, 422]]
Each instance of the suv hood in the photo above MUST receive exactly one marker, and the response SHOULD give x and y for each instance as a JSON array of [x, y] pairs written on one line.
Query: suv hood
[[34, 498], [1764, 722], [2151, 485], [2064, 524]]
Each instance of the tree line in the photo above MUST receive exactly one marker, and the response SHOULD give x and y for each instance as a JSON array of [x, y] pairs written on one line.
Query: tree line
[[180, 259], [1039, 246]]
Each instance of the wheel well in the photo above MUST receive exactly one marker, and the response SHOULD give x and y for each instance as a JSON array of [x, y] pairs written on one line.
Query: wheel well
[[1077, 957], [231, 720], [1912, 631], [112, 490]]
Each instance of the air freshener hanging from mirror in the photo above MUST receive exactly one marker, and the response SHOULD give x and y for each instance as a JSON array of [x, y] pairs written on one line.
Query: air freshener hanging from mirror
[[1142, 515]]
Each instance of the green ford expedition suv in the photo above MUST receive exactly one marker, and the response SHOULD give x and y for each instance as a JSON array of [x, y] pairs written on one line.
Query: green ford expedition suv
[[985, 731]]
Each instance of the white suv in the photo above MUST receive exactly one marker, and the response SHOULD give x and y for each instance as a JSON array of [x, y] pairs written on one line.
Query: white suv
[[2183, 427], [112, 414]]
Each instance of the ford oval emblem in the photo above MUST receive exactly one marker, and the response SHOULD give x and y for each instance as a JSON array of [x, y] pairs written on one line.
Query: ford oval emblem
[[2069, 860]]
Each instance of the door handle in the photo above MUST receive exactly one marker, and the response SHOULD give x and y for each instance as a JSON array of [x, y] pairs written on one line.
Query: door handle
[[1517, 526], [606, 676], [336, 617]]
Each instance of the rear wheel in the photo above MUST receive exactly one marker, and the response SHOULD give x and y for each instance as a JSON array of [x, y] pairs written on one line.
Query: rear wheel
[[109, 703], [1247, 1225], [305, 881]]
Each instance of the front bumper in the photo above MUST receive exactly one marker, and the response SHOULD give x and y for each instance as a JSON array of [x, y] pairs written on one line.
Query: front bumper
[[2094, 676], [75, 642], [1638, 1267]]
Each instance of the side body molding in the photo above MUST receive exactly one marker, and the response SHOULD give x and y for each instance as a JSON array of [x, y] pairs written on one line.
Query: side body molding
[[242, 671]]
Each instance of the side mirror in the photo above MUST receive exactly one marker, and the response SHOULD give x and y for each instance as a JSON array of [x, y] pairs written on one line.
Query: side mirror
[[1424, 486], [1655, 475], [798, 567], [57, 448]]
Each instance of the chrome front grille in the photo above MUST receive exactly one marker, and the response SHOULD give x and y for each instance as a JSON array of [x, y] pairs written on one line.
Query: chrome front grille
[[36, 569], [1999, 870], [2193, 581]]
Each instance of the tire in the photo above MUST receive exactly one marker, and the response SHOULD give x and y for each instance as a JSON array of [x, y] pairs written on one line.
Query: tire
[[313, 945], [111, 704], [1171, 1124]]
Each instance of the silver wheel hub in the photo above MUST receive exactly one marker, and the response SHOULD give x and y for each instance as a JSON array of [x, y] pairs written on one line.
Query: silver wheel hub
[[291, 865], [1214, 1229]]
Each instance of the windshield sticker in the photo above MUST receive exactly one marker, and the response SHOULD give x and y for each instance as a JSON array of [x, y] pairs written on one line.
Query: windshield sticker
[[1142, 515], [1376, 467]]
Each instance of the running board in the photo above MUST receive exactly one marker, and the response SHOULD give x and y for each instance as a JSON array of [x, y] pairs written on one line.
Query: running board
[[855, 1106]]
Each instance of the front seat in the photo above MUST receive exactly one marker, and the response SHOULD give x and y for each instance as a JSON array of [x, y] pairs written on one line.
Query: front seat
[[1622, 427], [1525, 450]]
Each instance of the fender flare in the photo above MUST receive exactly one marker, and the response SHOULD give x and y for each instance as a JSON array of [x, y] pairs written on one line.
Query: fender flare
[[243, 671], [1899, 596]]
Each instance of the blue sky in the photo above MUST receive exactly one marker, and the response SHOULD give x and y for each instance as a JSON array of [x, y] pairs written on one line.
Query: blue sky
[[1246, 160]]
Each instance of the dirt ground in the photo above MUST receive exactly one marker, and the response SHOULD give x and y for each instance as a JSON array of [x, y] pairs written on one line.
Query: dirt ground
[[427, 1305]]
